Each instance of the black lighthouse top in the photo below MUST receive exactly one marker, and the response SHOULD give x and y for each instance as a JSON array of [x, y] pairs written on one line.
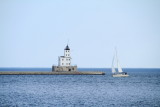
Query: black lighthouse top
[[67, 48]]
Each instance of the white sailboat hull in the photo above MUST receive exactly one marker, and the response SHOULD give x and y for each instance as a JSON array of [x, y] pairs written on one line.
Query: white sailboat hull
[[120, 75]]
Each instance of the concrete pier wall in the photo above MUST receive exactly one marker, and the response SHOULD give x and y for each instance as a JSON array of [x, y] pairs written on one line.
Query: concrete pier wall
[[64, 68]]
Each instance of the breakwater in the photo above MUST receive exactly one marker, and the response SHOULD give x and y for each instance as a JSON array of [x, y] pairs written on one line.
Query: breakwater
[[53, 73]]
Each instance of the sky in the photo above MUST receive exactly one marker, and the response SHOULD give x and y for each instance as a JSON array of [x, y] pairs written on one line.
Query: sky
[[33, 33]]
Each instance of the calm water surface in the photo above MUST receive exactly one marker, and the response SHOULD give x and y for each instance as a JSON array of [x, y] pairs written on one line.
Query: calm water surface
[[140, 89]]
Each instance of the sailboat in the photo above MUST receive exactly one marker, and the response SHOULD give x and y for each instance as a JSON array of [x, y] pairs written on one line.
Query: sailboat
[[117, 72]]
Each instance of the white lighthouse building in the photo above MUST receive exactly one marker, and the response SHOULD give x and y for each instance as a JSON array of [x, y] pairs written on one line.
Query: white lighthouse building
[[64, 62], [66, 59]]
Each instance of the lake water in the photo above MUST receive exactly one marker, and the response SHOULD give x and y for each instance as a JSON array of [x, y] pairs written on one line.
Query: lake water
[[140, 89]]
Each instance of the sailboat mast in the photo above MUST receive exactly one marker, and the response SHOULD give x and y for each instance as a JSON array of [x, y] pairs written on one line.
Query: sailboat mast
[[113, 68], [116, 57]]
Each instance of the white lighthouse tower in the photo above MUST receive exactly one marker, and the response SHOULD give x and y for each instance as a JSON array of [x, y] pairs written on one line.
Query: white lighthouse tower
[[64, 62], [66, 59]]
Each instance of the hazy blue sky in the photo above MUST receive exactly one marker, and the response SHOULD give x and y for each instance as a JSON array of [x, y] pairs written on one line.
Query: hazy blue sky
[[33, 33]]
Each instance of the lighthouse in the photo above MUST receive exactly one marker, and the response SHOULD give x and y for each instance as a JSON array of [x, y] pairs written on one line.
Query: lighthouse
[[64, 62], [66, 59]]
